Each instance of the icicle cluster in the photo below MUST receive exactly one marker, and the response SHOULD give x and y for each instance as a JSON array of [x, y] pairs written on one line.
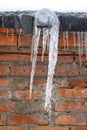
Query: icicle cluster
[[79, 40], [46, 18]]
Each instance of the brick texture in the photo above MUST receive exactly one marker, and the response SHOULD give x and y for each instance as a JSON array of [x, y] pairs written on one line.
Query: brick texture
[[19, 111]]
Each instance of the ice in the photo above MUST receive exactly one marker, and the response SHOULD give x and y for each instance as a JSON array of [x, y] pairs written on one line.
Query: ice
[[74, 38], [82, 41], [79, 46], [66, 36], [64, 40], [47, 20], [7, 32], [85, 42], [53, 50], [35, 43], [45, 37]]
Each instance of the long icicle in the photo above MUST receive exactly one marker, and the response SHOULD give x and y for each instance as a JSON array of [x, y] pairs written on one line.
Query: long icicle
[[53, 50], [74, 38], [85, 42], [66, 35], [79, 46], [35, 44]]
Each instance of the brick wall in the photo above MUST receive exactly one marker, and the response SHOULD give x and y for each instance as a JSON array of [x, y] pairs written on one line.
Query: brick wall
[[17, 110]]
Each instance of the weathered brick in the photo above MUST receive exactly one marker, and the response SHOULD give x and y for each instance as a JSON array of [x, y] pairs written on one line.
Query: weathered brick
[[72, 93], [68, 70], [16, 128], [66, 120], [26, 70], [14, 57], [6, 94], [5, 82], [4, 107], [2, 122], [4, 70], [8, 41], [79, 128], [51, 128], [2, 127], [6, 30], [70, 41], [39, 82], [25, 119], [70, 120], [83, 59], [78, 82], [26, 40], [63, 58], [26, 93], [71, 106]]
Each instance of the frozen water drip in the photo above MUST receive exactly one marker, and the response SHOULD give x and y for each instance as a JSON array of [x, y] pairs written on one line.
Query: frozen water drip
[[47, 21]]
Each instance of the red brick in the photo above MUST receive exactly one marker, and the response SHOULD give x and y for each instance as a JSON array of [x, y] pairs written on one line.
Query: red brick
[[4, 107], [4, 30], [66, 120], [72, 93], [68, 70], [51, 128], [5, 94], [83, 58], [2, 122], [79, 128], [26, 70], [1, 128], [41, 70], [38, 82], [65, 58], [8, 41], [22, 84], [80, 93], [25, 119], [25, 57], [26, 40], [26, 93], [70, 41], [16, 128], [71, 106], [78, 82], [5, 82], [65, 92], [14, 57], [4, 70]]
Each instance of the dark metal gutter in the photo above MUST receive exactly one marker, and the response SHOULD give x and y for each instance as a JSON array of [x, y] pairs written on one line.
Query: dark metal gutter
[[68, 21]]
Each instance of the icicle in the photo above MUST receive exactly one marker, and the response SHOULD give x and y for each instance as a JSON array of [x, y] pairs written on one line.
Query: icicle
[[36, 38], [53, 47], [85, 42], [45, 36], [20, 30], [7, 32], [82, 41], [66, 35], [79, 46], [12, 34], [74, 38], [19, 37], [2, 21], [46, 18], [64, 40]]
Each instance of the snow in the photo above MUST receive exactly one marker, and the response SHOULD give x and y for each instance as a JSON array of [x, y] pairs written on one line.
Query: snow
[[56, 5]]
